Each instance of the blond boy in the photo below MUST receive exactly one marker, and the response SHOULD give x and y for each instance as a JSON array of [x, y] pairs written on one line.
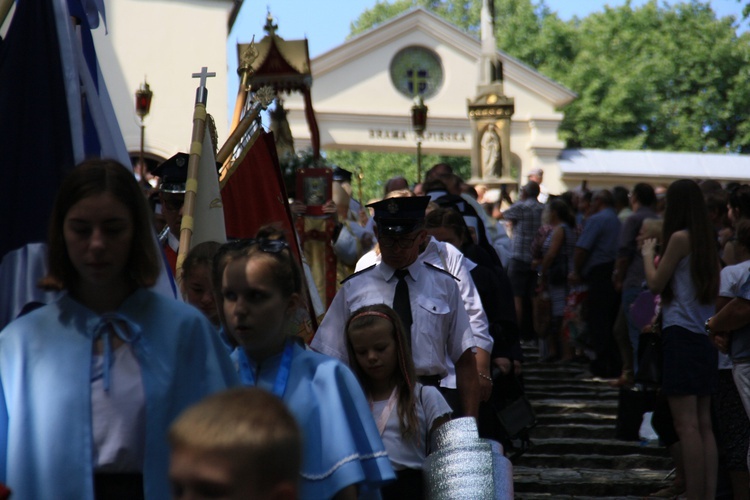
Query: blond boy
[[238, 444]]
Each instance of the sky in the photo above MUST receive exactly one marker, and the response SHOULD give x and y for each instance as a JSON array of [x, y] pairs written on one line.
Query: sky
[[326, 23]]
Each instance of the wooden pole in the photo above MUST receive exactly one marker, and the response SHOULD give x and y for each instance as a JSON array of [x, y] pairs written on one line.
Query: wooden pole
[[236, 136], [191, 184], [245, 71], [229, 167], [241, 98], [5, 6]]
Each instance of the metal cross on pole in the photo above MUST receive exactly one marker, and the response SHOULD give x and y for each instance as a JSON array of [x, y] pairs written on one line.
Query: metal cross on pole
[[201, 93]]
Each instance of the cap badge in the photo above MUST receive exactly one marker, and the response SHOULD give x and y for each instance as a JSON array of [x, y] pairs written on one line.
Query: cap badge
[[392, 207], [180, 162]]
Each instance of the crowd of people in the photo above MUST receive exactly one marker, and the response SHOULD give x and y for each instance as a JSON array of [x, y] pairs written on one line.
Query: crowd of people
[[116, 391]]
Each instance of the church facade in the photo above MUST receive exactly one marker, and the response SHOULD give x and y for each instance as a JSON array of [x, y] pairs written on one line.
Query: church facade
[[362, 93]]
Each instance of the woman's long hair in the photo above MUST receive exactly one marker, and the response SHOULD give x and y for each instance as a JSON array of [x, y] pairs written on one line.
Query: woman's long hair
[[405, 374], [686, 209], [91, 178], [562, 211]]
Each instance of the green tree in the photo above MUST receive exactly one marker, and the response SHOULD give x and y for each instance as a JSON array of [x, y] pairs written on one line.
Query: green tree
[[378, 14], [671, 77], [379, 167], [662, 78]]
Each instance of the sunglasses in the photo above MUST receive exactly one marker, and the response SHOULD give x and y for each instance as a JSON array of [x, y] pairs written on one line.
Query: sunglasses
[[264, 244]]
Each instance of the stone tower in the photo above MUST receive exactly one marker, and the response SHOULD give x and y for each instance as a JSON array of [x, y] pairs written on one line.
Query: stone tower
[[490, 112]]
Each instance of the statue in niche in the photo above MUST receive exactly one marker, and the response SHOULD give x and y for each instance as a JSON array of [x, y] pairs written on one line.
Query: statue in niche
[[281, 131], [492, 164]]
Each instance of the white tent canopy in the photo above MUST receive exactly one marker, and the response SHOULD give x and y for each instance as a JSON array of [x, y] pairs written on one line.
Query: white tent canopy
[[605, 168]]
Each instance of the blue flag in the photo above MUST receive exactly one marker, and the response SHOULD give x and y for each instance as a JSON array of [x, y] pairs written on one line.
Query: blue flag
[[54, 113]]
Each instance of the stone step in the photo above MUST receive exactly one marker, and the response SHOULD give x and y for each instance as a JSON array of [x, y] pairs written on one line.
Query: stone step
[[573, 451], [542, 379], [548, 496], [594, 461], [572, 431], [540, 392], [565, 446], [562, 370], [562, 406], [587, 482], [550, 377], [584, 418]]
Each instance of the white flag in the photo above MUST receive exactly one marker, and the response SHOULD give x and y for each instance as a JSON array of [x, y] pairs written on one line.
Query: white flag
[[209, 211]]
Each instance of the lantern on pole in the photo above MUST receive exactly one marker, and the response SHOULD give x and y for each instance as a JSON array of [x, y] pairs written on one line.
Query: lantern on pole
[[142, 106], [419, 124]]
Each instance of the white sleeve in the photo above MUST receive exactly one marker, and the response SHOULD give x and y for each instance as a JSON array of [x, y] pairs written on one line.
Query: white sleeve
[[460, 337], [367, 260], [433, 404], [329, 339], [473, 305]]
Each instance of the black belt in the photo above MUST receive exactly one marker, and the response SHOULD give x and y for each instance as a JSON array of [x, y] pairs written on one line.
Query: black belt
[[433, 380]]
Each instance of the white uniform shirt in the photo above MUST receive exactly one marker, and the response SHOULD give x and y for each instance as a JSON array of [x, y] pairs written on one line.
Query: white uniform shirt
[[447, 257], [440, 324]]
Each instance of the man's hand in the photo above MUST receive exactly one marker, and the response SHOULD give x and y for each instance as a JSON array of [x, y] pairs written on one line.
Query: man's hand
[[329, 207], [298, 208], [721, 341]]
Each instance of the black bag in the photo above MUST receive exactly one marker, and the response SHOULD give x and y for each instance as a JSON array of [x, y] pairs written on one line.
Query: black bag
[[649, 360], [517, 416], [632, 404], [514, 412]]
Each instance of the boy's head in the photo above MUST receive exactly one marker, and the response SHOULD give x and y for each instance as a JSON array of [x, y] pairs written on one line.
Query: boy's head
[[238, 444]]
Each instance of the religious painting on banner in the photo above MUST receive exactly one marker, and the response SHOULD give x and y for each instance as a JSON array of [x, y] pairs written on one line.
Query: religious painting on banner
[[314, 188], [316, 228]]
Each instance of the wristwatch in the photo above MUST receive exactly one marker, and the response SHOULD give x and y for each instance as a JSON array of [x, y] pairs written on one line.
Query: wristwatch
[[708, 328]]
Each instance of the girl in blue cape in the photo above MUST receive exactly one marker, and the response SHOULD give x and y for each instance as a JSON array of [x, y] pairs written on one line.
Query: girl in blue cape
[[261, 286], [90, 383]]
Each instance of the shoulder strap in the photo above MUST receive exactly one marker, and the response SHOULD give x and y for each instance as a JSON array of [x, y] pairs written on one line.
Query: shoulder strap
[[357, 273], [436, 268]]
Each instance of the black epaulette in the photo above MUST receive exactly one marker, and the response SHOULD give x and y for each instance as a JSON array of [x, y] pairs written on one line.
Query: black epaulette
[[356, 274], [433, 266]]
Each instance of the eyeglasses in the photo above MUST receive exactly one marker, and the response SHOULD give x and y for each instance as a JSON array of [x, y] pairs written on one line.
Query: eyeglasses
[[389, 241]]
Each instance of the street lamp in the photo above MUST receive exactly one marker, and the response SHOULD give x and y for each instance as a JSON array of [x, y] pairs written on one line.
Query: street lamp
[[142, 106], [419, 124]]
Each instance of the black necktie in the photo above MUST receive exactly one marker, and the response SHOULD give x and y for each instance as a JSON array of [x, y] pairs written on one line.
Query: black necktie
[[401, 303]]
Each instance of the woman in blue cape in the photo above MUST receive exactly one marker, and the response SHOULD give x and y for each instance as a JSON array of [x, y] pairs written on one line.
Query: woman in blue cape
[[261, 286], [90, 383]]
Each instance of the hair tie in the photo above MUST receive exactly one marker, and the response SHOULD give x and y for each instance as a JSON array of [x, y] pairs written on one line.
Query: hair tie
[[373, 313]]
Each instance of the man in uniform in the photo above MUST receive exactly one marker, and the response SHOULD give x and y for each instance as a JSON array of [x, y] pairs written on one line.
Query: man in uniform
[[427, 299], [173, 175]]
